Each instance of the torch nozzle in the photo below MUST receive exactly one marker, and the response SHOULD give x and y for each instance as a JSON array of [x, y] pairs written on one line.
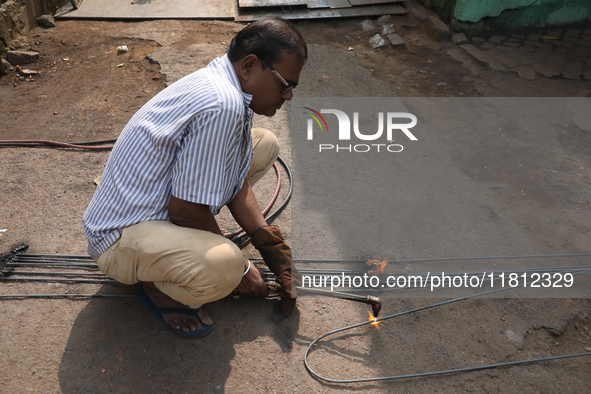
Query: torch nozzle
[[376, 305], [375, 302]]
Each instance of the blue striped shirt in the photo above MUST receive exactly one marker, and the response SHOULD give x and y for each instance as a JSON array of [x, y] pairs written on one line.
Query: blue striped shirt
[[192, 140]]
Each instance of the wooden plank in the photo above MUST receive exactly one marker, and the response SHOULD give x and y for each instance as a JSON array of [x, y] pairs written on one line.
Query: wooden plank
[[339, 3], [270, 3], [372, 2], [312, 4], [161, 9], [252, 15]]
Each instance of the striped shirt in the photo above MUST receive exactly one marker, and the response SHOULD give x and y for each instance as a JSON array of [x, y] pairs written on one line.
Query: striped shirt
[[192, 140]]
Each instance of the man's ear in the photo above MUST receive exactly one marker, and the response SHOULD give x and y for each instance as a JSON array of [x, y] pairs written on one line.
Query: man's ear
[[247, 66]]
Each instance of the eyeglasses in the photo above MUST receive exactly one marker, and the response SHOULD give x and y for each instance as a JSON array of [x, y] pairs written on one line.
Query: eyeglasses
[[288, 86]]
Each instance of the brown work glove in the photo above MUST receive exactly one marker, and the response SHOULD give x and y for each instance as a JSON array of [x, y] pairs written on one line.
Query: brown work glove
[[277, 255]]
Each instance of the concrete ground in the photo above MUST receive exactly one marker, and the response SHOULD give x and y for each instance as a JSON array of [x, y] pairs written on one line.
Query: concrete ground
[[468, 188]]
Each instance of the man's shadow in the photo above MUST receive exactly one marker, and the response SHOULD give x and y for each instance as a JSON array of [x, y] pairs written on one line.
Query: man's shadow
[[118, 345]]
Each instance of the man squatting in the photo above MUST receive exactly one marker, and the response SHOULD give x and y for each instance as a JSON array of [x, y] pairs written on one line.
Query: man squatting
[[183, 156]]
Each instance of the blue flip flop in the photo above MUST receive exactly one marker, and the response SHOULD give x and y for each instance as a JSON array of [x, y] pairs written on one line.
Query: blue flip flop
[[148, 303]]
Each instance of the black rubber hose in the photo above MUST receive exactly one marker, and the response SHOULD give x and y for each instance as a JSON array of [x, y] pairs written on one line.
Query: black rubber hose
[[243, 239], [423, 374], [55, 144]]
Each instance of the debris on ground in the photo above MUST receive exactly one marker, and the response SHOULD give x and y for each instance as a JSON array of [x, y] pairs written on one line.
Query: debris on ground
[[388, 29], [22, 57], [369, 26], [46, 21], [459, 38], [377, 41], [395, 39]]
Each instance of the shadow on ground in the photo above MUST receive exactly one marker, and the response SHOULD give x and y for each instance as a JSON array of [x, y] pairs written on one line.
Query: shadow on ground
[[117, 345]]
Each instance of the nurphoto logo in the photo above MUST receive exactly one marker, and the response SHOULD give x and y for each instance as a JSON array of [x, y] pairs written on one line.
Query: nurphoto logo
[[344, 131]]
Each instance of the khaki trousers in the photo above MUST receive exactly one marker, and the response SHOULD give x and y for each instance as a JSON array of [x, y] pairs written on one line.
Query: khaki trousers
[[191, 266]]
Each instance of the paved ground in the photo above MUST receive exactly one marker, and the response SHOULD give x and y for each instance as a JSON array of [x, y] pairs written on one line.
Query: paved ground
[[564, 53]]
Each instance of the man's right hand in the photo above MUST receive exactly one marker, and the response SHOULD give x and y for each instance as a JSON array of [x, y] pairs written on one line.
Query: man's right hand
[[253, 284]]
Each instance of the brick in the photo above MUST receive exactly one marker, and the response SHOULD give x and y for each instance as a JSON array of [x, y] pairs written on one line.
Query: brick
[[388, 29], [465, 60], [436, 29], [514, 40], [526, 48], [482, 57], [573, 67], [587, 74], [556, 33], [538, 57], [548, 71], [459, 38], [518, 36], [506, 60], [475, 53], [395, 39], [555, 58], [564, 44], [572, 70], [512, 44], [579, 42], [21, 57], [576, 56], [487, 45], [572, 33], [575, 41], [8, 66], [385, 19], [497, 39], [534, 37], [377, 42], [518, 57], [538, 44], [582, 49], [525, 72], [501, 48], [368, 26], [574, 76]]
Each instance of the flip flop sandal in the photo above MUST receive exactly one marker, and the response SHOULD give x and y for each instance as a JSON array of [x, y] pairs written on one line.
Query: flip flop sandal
[[148, 303]]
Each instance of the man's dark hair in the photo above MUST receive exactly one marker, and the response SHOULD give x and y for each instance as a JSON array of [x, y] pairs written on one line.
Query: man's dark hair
[[269, 39]]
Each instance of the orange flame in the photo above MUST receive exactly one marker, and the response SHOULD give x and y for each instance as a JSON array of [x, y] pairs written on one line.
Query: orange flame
[[375, 322], [380, 264]]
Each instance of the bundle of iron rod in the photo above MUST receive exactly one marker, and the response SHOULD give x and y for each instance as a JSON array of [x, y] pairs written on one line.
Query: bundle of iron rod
[[83, 269]]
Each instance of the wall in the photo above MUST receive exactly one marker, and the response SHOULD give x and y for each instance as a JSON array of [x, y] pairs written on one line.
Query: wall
[[479, 15], [17, 17]]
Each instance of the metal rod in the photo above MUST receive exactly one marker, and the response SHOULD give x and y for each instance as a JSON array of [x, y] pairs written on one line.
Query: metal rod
[[52, 264], [85, 257], [48, 273], [60, 258], [57, 280], [445, 259], [375, 302], [67, 296], [52, 260]]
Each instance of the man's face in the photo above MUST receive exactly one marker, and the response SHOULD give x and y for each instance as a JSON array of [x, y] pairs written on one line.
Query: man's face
[[267, 88]]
